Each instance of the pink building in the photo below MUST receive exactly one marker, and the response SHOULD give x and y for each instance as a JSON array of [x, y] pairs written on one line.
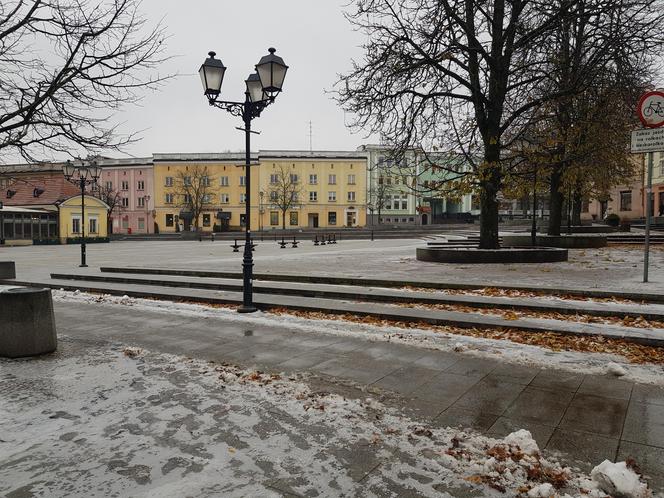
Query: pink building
[[128, 184]]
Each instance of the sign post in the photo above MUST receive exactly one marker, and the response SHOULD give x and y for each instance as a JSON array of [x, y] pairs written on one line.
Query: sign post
[[650, 110]]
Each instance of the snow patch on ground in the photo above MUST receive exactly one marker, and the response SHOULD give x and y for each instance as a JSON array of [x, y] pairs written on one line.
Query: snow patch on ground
[[94, 421], [619, 481], [589, 363]]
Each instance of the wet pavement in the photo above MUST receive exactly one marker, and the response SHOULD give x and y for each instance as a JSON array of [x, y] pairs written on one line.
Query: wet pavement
[[590, 418]]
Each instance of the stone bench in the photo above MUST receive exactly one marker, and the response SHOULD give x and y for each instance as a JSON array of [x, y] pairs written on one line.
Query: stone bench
[[7, 269], [27, 324]]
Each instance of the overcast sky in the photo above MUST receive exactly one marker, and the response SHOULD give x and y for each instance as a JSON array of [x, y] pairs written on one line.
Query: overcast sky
[[312, 36]]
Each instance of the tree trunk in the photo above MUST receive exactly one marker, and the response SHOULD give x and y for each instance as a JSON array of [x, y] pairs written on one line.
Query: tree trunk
[[283, 220], [488, 201], [576, 208], [556, 201]]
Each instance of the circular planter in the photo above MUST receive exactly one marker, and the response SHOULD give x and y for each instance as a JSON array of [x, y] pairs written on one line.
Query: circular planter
[[503, 255], [587, 229], [27, 324], [578, 241]]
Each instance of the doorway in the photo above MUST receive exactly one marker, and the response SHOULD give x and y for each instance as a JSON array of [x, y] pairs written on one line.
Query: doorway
[[313, 220], [425, 219], [351, 218], [660, 208]]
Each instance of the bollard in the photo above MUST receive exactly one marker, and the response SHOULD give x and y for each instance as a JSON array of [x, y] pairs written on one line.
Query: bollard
[[295, 242], [322, 240], [236, 248], [371, 235], [334, 238], [316, 240], [212, 237], [282, 243]]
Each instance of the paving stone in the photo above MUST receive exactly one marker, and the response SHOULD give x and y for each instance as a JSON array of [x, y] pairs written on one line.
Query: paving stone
[[648, 459], [607, 387], [436, 361], [518, 374], [407, 379], [445, 387], [595, 414], [587, 450], [558, 380], [306, 360], [463, 419], [644, 424], [539, 406], [490, 395], [504, 426], [472, 367], [643, 393]]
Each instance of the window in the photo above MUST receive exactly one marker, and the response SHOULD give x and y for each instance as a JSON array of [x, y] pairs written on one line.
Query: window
[[169, 181], [125, 222], [92, 225], [243, 198], [141, 202], [141, 223], [388, 180], [294, 178], [274, 179], [140, 185], [626, 200], [331, 196], [76, 225], [351, 196], [169, 220], [351, 179], [295, 197], [187, 198], [109, 185], [313, 179], [585, 206], [206, 220], [243, 179], [273, 196], [274, 217], [223, 198], [332, 179], [125, 185], [293, 218], [169, 199], [125, 202], [242, 219], [381, 180], [187, 181], [223, 181], [205, 181], [207, 198], [332, 218], [313, 196]]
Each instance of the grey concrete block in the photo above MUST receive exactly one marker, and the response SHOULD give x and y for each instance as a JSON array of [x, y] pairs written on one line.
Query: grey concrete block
[[7, 269], [27, 323]]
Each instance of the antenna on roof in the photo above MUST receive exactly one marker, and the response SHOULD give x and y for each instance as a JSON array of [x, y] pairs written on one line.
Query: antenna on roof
[[311, 138]]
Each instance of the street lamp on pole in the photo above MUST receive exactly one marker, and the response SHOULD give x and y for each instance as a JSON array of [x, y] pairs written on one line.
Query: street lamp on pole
[[262, 87], [81, 176], [146, 202]]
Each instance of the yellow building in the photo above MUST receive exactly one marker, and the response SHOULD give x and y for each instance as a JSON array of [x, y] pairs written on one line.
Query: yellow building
[[331, 190], [224, 191], [96, 217]]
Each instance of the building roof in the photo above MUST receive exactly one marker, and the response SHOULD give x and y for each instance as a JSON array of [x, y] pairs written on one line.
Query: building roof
[[14, 209], [54, 189], [306, 154], [202, 157], [108, 162]]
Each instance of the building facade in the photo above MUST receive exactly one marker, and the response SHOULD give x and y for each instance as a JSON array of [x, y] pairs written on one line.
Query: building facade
[[330, 189], [224, 191], [127, 186], [72, 224]]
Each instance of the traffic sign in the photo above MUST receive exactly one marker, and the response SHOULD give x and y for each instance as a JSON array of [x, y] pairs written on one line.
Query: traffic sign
[[650, 109], [648, 140]]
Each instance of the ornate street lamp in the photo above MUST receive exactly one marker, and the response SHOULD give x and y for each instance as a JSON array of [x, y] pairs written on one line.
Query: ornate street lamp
[[81, 176], [262, 87]]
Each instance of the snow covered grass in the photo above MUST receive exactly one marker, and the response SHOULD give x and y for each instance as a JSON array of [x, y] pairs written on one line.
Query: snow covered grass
[[590, 363], [125, 421]]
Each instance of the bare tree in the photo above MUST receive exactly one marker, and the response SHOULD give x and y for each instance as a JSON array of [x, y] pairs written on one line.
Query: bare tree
[[192, 188], [112, 198], [377, 196], [465, 76], [67, 66], [284, 192]]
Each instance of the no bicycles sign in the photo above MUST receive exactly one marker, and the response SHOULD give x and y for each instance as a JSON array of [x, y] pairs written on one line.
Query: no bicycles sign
[[651, 113], [651, 109]]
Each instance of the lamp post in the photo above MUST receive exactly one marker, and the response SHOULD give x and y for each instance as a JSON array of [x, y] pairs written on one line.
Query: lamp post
[[262, 87], [146, 202], [81, 176]]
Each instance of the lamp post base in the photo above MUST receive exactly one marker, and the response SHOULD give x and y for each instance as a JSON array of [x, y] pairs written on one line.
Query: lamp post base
[[247, 309], [82, 266]]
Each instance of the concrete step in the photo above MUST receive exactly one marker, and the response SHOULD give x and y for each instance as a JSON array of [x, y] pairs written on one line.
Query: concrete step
[[380, 311], [384, 283], [383, 295]]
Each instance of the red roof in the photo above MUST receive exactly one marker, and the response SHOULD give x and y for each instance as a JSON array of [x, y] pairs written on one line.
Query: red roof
[[54, 186]]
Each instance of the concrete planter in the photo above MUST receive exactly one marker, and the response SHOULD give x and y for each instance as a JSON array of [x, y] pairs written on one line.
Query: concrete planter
[[7, 269], [27, 324], [585, 229], [471, 255], [579, 241]]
